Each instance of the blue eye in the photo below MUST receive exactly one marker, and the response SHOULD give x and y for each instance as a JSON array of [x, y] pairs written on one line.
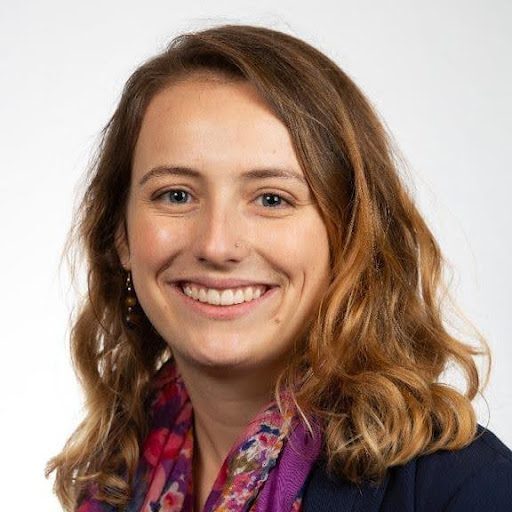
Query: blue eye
[[271, 198], [175, 194]]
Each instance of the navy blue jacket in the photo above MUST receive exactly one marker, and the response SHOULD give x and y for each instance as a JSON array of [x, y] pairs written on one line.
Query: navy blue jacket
[[476, 478]]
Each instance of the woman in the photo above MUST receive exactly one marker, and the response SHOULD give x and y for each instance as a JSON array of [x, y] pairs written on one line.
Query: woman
[[263, 327]]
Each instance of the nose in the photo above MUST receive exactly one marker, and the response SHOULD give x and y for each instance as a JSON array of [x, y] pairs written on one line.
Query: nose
[[220, 236]]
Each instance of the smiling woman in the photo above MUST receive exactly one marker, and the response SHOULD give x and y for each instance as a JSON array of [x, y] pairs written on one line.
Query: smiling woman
[[263, 327]]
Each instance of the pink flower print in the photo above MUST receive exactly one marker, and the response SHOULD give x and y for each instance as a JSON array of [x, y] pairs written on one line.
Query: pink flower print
[[172, 446], [153, 445], [173, 499], [155, 487]]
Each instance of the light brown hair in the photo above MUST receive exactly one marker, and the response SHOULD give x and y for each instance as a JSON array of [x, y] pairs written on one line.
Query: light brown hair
[[370, 366]]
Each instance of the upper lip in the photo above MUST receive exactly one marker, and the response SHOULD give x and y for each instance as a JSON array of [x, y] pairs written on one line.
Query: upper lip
[[221, 284]]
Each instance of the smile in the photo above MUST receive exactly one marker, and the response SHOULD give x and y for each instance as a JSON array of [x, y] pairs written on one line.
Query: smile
[[226, 297], [231, 309]]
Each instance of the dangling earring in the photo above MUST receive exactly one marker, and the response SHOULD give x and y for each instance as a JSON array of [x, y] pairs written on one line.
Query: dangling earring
[[130, 301]]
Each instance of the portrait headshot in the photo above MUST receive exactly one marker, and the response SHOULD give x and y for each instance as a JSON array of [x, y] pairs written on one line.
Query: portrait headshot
[[263, 305]]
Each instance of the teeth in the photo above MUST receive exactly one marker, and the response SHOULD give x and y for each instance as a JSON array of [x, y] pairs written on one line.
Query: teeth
[[227, 297], [213, 297], [239, 297], [224, 297]]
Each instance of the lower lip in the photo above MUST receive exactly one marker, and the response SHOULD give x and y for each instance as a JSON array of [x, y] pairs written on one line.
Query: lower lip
[[224, 312]]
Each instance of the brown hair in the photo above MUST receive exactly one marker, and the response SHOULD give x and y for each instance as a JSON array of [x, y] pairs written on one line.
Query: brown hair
[[370, 366]]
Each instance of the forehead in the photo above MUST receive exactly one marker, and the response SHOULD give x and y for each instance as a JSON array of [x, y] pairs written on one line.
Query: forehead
[[203, 121]]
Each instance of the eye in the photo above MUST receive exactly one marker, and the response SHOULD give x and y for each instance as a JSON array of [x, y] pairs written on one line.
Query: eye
[[175, 195], [274, 200]]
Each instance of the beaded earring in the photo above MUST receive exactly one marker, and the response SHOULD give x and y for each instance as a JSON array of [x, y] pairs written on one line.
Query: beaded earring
[[131, 317]]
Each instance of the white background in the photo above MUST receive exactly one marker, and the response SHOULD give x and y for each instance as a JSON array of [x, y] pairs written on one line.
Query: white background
[[439, 73]]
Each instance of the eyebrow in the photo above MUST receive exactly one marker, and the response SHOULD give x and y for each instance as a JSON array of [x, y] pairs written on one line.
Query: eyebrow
[[253, 174]]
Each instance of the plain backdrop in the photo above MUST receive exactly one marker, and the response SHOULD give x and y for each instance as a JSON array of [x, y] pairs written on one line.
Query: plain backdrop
[[438, 72]]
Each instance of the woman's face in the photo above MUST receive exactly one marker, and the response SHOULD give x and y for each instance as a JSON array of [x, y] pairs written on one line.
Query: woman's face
[[213, 199]]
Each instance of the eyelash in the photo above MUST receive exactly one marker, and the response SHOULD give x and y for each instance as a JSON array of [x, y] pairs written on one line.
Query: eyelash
[[170, 191]]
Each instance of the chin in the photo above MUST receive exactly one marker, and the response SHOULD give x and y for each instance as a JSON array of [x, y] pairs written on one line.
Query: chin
[[224, 362]]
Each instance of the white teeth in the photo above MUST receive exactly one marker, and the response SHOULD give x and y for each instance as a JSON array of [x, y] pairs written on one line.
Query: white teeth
[[239, 297], [213, 297], [227, 298], [248, 294], [224, 297]]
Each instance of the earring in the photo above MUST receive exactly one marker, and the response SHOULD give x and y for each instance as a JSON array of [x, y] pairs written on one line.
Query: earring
[[131, 317]]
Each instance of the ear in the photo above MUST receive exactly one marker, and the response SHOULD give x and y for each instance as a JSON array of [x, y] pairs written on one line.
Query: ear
[[122, 247]]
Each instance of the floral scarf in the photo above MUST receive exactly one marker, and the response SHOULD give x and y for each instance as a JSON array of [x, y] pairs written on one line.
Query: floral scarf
[[265, 471]]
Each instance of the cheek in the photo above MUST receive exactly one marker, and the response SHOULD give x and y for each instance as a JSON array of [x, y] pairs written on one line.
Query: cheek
[[305, 245], [282, 245], [153, 240]]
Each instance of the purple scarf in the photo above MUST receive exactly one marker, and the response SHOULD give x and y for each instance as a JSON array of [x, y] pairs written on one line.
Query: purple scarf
[[265, 471]]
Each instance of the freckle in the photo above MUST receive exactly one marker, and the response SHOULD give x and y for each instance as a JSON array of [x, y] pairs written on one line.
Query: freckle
[[277, 320]]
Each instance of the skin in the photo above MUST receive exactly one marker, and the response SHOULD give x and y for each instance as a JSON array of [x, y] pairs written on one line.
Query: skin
[[222, 129]]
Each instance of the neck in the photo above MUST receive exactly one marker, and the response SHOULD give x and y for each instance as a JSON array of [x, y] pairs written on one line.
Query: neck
[[224, 403]]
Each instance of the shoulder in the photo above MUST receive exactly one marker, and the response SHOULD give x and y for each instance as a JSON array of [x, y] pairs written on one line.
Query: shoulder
[[477, 477]]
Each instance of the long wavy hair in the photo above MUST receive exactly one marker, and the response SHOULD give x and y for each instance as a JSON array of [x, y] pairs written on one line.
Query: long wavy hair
[[371, 364]]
